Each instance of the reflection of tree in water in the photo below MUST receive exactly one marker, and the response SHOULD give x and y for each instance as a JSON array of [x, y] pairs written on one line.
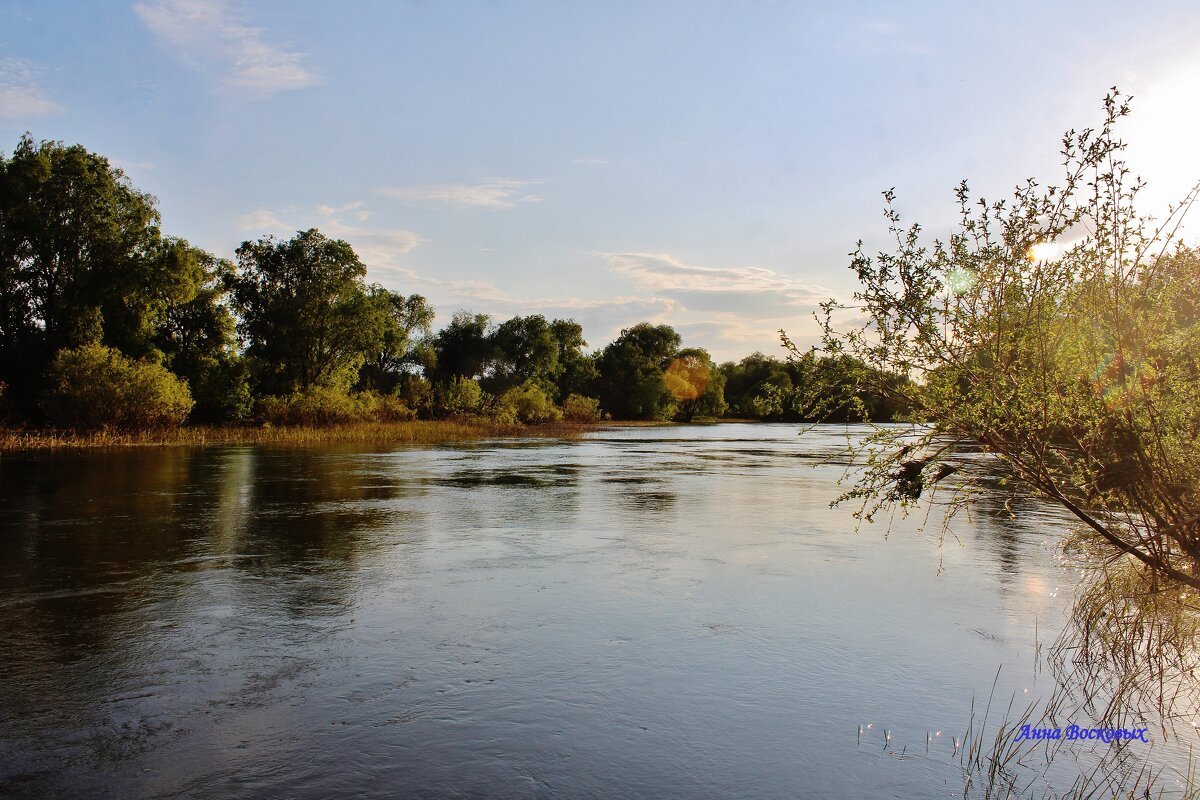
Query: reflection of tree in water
[[80, 533], [97, 545], [510, 486], [308, 516], [641, 495], [999, 530]]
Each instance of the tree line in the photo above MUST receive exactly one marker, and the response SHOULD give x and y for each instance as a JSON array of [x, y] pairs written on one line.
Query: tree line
[[105, 321]]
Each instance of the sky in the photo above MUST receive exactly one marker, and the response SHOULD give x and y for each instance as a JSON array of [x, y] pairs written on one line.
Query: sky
[[704, 165]]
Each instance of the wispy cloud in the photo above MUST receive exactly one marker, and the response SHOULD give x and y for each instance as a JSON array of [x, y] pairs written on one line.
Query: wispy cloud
[[487, 193], [716, 288], [729, 309], [377, 247], [133, 166], [20, 95], [211, 32]]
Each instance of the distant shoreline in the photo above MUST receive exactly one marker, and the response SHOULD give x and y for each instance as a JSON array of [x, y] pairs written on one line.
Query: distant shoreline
[[408, 432], [413, 431]]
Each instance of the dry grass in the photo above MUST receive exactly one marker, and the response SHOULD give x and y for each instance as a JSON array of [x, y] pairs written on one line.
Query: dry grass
[[414, 432]]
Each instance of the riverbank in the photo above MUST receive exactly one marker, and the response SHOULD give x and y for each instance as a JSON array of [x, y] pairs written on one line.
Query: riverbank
[[413, 431]]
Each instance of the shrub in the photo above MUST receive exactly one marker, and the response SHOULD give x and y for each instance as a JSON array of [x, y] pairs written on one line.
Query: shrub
[[221, 387], [529, 403], [578, 408], [328, 406], [94, 386], [382, 407], [458, 397]]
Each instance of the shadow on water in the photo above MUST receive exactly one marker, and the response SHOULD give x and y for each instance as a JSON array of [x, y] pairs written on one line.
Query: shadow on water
[[88, 538]]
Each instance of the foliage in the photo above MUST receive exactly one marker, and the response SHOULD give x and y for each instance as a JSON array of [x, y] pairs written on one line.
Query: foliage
[[464, 348], [757, 386], [1059, 331], [94, 386], [404, 326], [811, 388], [577, 408], [696, 383], [305, 313], [525, 350], [221, 387], [458, 396], [632, 370], [322, 405], [81, 261], [528, 403], [577, 372]]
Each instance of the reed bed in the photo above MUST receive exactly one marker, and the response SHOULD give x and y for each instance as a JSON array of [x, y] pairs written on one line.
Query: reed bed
[[407, 432]]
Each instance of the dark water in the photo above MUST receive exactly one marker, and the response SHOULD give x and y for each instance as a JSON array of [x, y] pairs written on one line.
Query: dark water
[[669, 612]]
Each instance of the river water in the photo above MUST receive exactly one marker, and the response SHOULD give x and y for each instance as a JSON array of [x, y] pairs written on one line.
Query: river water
[[644, 612]]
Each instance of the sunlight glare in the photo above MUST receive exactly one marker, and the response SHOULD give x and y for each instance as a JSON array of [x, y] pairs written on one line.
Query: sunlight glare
[[1044, 251]]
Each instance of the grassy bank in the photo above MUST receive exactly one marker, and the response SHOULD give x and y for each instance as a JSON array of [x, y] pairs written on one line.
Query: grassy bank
[[416, 432]]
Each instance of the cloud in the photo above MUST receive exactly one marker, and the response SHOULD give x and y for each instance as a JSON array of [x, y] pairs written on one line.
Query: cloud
[[20, 95], [133, 166], [210, 32], [716, 288], [487, 193], [729, 310], [377, 247]]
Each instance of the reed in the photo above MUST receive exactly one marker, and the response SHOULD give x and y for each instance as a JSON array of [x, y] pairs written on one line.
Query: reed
[[382, 433]]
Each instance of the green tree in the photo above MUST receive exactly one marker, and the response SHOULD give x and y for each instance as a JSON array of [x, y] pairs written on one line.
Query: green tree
[[80, 261], [464, 348], [1058, 331], [577, 371], [525, 350], [197, 334], [306, 316], [757, 386], [632, 370], [405, 328]]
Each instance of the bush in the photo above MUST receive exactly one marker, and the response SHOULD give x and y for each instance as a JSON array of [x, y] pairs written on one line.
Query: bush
[[94, 386], [221, 388], [578, 408], [382, 407], [528, 403], [326, 406], [458, 397]]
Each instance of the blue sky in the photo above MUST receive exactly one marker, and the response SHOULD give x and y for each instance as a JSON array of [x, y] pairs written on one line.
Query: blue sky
[[707, 165]]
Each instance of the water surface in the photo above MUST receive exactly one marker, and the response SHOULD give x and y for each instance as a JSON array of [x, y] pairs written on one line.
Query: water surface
[[644, 612]]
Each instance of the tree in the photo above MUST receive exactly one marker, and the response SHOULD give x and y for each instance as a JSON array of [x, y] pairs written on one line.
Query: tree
[[757, 385], [632, 370], [577, 372], [196, 336], [696, 383], [1057, 330], [80, 261], [464, 348], [305, 313], [405, 327], [526, 349]]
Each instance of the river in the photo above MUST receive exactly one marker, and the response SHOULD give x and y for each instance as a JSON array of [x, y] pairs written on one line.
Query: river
[[643, 612]]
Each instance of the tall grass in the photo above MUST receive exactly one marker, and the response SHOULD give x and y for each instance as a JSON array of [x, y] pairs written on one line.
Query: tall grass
[[412, 431]]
